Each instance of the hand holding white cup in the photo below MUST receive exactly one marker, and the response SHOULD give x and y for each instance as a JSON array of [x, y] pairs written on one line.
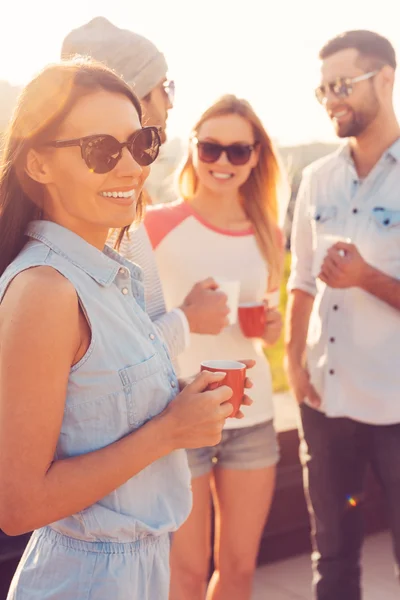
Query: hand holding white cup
[[324, 243], [232, 289]]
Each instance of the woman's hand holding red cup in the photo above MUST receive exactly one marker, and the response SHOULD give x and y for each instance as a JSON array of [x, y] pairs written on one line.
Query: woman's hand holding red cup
[[273, 326], [258, 320], [235, 378]]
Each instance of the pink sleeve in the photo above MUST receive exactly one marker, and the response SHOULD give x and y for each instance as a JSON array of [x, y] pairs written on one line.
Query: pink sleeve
[[161, 219]]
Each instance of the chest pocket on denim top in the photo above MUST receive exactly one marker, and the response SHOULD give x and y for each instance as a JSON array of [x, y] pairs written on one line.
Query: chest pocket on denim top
[[146, 390]]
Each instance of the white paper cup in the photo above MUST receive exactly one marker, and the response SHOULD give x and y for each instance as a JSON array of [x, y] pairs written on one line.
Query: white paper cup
[[232, 290], [324, 243]]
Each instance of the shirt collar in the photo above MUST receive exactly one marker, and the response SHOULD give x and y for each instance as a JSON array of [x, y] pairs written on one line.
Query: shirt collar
[[393, 152], [344, 152], [102, 266]]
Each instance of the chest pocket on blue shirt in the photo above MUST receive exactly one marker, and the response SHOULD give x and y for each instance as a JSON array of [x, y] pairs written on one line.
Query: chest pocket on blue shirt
[[386, 218], [384, 240], [323, 217], [146, 390]]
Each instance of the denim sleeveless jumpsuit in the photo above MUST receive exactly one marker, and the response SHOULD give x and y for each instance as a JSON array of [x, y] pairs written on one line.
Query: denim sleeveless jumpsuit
[[118, 548]]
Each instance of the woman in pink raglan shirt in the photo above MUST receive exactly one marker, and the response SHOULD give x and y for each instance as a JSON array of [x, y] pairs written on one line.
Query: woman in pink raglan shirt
[[225, 226]]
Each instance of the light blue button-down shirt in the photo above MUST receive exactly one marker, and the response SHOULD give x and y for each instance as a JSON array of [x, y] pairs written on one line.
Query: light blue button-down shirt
[[124, 379], [354, 338]]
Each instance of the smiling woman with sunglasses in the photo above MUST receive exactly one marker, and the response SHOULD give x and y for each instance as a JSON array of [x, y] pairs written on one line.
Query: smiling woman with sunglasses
[[225, 226], [91, 422]]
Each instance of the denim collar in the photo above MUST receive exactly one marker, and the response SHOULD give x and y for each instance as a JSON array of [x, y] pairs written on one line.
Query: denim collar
[[102, 266]]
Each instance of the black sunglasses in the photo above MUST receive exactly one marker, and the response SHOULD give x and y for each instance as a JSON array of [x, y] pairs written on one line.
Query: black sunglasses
[[342, 87], [101, 153], [237, 154]]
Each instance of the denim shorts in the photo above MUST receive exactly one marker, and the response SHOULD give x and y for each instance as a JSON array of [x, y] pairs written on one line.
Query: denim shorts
[[57, 567], [246, 448]]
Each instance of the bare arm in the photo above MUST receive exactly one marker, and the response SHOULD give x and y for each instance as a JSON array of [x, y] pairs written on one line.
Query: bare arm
[[40, 333], [298, 313], [382, 286]]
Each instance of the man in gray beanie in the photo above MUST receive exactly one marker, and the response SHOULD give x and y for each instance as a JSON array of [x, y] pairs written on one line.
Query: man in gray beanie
[[133, 57], [142, 65]]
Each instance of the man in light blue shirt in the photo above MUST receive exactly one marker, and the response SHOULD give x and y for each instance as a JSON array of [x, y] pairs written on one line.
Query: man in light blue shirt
[[343, 333]]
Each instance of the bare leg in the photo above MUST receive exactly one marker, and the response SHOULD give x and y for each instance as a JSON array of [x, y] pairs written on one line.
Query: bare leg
[[242, 501], [191, 551]]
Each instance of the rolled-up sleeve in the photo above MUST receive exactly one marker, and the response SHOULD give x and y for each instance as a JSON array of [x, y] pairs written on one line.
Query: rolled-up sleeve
[[171, 326], [301, 277]]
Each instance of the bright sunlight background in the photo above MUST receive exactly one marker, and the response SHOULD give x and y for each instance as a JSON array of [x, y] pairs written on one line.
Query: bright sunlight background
[[264, 51]]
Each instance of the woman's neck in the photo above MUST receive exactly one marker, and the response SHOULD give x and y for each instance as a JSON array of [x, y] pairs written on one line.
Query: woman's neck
[[222, 210], [96, 235]]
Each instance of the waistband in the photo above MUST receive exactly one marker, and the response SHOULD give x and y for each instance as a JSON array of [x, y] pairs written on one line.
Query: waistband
[[141, 545]]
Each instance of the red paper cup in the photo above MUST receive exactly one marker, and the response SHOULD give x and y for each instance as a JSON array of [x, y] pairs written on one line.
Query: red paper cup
[[252, 319], [235, 378]]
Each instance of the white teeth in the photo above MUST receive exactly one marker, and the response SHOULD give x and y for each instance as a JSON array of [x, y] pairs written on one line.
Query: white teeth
[[340, 114], [221, 175], [128, 194]]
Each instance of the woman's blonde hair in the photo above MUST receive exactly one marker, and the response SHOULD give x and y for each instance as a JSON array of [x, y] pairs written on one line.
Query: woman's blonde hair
[[260, 193]]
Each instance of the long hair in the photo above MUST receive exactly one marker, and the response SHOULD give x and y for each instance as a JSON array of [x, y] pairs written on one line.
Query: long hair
[[41, 108], [260, 194]]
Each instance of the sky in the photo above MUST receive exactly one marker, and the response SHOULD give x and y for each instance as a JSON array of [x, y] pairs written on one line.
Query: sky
[[264, 51]]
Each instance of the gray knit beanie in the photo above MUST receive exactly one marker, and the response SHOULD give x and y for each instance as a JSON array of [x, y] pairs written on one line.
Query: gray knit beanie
[[130, 55]]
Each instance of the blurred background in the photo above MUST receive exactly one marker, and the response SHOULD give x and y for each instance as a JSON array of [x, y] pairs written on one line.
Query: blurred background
[[266, 52]]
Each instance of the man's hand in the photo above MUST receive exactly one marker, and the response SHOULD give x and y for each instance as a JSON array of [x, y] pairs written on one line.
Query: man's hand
[[344, 267], [273, 326], [205, 308], [299, 381]]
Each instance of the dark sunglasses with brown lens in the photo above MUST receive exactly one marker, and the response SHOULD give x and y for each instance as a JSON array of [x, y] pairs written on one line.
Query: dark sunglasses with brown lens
[[101, 152]]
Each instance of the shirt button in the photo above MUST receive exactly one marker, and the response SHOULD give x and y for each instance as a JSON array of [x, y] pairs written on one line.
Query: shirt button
[[332, 340], [335, 307], [125, 291], [355, 211], [173, 384], [152, 336], [331, 372]]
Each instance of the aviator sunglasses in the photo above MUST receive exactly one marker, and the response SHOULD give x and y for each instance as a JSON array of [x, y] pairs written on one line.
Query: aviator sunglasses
[[101, 153], [342, 87], [169, 89], [237, 154]]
